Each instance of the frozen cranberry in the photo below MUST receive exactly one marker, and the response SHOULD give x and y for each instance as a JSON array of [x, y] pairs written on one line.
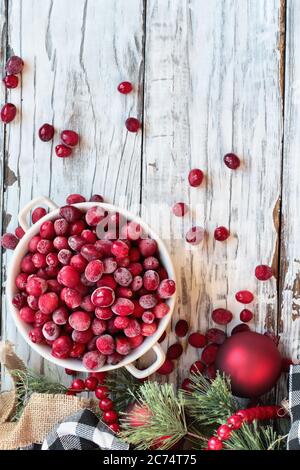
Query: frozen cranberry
[[96, 198], [51, 271], [27, 314], [119, 249], [32, 302], [103, 313], [133, 329], [51, 331], [70, 213], [150, 263], [71, 139], [125, 87], [90, 252], [41, 318], [103, 297], [122, 346], [105, 344], [246, 315], [14, 65], [195, 177], [131, 231], [134, 255], [51, 259], [11, 81], [166, 288], [151, 281], [86, 304], [94, 270], [98, 326], [54, 286], [82, 336], [124, 292], [221, 316], [61, 227], [244, 297], [148, 301], [163, 337], [240, 328], [80, 321], [45, 246], [214, 335], [161, 310], [78, 262], [148, 317], [110, 417], [19, 232], [174, 351], [36, 286], [62, 347], [180, 209], [62, 151], [60, 243], [88, 236], [8, 113], [68, 276], [232, 161], [104, 246], [148, 329], [19, 300], [221, 234], [94, 215], [123, 262], [77, 227], [46, 132], [148, 247], [166, 368], [60, 316], [27, 265], [109, 265], [263, 272], [71, 297], [75, 242], [39, 260], [47, 230], [135, 268], [37, 214], [9, 241], [121, 322], [107, 281], [123, 307], [33, 243], [137, 283], [209, 354], [48, 302], [21, 281], [77, 350], [36, 335], [136, 341], [111, 329], [197, 340], [132, 124], [123, 276], [195, 235], [197, 367]]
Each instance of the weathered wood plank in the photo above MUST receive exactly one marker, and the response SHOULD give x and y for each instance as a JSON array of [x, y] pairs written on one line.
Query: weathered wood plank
[[75, 53], [212, 86]]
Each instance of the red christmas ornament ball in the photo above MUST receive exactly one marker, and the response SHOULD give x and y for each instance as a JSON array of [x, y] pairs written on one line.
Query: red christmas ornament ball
[[252, 361]]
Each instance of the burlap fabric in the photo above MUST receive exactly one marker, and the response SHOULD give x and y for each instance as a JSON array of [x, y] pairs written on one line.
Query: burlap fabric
[[41, 413]]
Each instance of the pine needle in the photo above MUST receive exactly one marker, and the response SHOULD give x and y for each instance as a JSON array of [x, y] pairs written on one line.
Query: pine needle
[[255, 437], [165, 425], [122, 386]]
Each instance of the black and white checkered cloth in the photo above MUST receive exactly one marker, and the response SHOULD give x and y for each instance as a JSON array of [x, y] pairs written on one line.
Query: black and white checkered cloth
[[82, 431], [294, 406]]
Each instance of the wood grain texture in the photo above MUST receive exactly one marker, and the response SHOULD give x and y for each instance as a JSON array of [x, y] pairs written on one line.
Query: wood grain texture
[[75, 53], [215, 67]]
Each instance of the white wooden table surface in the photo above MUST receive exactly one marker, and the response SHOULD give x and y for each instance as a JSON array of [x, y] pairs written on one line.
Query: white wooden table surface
[[210, 78]]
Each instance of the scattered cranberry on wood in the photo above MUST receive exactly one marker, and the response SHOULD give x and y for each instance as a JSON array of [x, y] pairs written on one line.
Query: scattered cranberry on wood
[[125, 88]]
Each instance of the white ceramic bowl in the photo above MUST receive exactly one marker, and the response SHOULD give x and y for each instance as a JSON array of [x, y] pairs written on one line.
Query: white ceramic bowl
[[44, 350]]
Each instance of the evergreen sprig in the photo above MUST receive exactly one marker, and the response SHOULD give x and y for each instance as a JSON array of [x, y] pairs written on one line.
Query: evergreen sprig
[[255, 437], [122, 386], [209, 402]]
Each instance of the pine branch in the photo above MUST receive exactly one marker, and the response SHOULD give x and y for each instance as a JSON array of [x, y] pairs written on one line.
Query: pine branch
[[210, 402], [255, 437], [122, 386], [165, 423], [28, 382]]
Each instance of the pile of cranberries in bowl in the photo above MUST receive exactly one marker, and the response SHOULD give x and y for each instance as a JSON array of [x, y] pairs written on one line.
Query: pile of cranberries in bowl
[[89, 293]]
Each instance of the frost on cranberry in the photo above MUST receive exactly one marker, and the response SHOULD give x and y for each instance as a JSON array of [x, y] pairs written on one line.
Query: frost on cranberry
[[148, 301], [121, 322], [98, 326], [195, 235], [68, 277], [232, 161], [94, 270], [119, 249], [95, 215], [60, 316], [263, 272], [19, 300], [48, 302], [93, 360], [62, 347], [123, 307], [79, 263], [47, 230], [27, 314], [82, 337], [133, 329], [103, 297], [105, 344], [14, 65], [80, 321], [103, 313], [62, 151], [148, 247], [151, 280], [179, 209], [123, 276], [148, 329], [166, 288], [195, 177], [161, 310], [51, 331], [36, 286], [70, 213], [8, 113], [123, 346], [71, 297], [9, 241], [244, 297]]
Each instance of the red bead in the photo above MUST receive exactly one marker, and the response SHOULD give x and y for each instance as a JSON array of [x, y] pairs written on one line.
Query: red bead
[[174, 351], [105, 404], [125, 87], [70, 372], [180, 209], [110, 416], [197, 340], [132, 124], [235, 421], [70, 138], [195, 177], [181, 328], [11, 81], [244, 297], [246, 315], [195, 235], [101, 376], [263, 272], [14, 65], [224, 432], [46, 132], [232, 161], [101, 392], [214, 444], [91, 383], [114, 427], [166, 368], [78, 385], [221, 316], [221, 234], [63, 151], [8, 113]]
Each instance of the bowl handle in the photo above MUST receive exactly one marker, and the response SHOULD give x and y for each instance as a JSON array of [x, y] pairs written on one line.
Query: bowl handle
[[35, 202], [142, 374]]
